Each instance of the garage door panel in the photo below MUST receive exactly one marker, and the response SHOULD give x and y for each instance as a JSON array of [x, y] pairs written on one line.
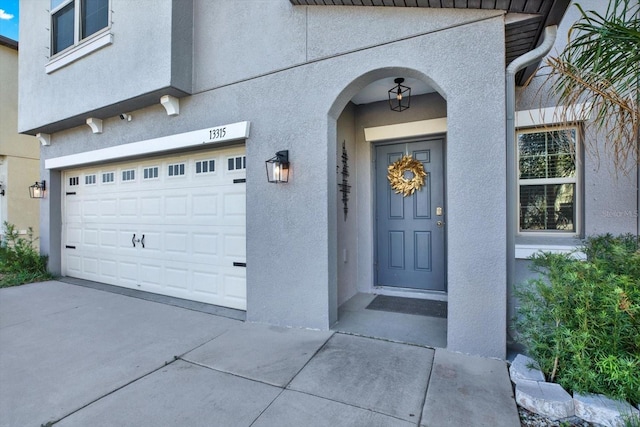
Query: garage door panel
[[235, 290], [90, 238], [151, 275], [151, 208], [128, 208], [74, 264], [90, 266], [109, 269], [152, 243], [74, 235], [177, 277], [108, 238], [176, 206], [194, 226], [234, 246], [128, 273], [108, 208], [234, 204], [207, 283], [90, 209], [205, 207], [74, 210], [205, 244], [177, 243]]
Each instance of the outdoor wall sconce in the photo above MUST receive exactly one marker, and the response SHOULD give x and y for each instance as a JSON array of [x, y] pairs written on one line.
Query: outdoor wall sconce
[[36, 191], [1, 189], [399, 96], [278, 167]]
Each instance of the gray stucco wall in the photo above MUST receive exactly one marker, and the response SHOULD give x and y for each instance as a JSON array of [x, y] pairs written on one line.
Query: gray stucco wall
[[347, 224], [151, 51], [610, 203], [291, 71]]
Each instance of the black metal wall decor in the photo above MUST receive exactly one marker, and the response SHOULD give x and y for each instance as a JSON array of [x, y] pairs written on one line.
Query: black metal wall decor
[[345, 188]]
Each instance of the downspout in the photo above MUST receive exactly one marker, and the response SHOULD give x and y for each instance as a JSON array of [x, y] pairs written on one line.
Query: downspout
[[516, 65]]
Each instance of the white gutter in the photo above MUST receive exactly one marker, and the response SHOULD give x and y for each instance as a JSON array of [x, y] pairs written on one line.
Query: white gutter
[[516, 65]]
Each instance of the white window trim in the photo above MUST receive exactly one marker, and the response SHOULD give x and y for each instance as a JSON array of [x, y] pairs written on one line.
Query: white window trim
[[80, 47], [73, 53], [405, 130], [208, 172], [177, 175], [235, 170], [552, 115], [150, 169], [113, 181], [527, 251], [578, 204], [128, 181]]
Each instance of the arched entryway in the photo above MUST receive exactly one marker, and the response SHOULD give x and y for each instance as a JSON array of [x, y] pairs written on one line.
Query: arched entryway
[[391, 247]]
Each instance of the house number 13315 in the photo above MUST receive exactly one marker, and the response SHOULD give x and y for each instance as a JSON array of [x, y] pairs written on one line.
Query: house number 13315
[[217, 133]]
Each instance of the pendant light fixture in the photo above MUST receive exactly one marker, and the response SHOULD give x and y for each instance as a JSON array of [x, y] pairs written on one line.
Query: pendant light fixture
[[399, 96]]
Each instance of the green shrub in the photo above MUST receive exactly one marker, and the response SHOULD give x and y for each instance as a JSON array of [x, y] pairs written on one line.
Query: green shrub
[[20, 262], [581, 319]]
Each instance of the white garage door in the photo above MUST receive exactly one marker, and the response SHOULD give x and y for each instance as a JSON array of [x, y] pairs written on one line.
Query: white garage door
[[173, 225]]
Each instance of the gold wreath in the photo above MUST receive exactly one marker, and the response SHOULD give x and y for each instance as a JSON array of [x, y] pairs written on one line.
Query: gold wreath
[[401, 184]]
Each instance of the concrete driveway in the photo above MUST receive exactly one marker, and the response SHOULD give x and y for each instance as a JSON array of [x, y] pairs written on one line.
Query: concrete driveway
[[76, 356]]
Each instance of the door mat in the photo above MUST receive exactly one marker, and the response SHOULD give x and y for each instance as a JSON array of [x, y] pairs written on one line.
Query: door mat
[[420, 307]]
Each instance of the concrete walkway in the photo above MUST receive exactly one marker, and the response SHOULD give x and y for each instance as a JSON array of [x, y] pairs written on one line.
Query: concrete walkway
[[75, 356]]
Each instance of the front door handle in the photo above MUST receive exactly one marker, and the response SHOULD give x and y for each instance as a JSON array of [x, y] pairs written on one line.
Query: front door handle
[[440, 224]]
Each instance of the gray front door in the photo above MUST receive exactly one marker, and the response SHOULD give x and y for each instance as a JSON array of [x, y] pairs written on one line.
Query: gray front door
[[410, 230]]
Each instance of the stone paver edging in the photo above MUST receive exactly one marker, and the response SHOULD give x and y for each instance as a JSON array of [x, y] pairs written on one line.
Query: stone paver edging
[[551, 400]]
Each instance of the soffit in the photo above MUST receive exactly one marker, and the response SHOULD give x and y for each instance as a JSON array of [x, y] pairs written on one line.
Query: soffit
[[524, 23]]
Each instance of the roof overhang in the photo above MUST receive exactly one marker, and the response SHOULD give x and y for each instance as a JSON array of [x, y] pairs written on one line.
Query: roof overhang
[[524, 22]]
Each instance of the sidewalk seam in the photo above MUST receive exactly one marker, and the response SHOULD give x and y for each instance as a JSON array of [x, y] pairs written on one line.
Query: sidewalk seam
[[51, 423], [424, 399]]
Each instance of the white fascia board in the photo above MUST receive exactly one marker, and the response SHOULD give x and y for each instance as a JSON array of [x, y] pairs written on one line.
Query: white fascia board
[[406, 130], [553, 115], [212, 136]]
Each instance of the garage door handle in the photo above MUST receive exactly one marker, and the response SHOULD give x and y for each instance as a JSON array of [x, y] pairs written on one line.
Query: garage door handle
[[239, 264], [134, 240]]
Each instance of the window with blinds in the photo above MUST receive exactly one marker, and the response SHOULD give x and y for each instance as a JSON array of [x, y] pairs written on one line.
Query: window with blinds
[[548, 179]]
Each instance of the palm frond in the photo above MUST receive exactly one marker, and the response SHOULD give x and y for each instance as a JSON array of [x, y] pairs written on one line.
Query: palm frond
[[600, 67]]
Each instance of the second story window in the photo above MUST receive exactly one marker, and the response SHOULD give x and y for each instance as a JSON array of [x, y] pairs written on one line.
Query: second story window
[[74, 20]]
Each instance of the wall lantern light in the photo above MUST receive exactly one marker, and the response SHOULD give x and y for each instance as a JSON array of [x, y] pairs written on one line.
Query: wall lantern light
[[399, 96], [278, 167], [1, 189], [36, 191]]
